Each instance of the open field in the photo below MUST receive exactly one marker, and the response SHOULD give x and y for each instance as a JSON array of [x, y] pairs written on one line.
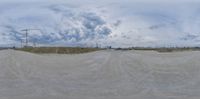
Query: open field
[[78, 50], [162, 49], [59, 50], [105, 74], [168, 49]]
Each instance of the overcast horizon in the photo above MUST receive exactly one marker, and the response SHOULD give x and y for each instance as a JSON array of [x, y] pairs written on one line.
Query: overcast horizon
[[122, 23]]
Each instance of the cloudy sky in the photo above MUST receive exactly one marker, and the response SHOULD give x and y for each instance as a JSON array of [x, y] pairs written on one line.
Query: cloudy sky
[[122, 23]]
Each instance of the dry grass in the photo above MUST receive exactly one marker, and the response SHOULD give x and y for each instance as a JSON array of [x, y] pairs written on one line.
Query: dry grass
[[172, 49], [59, 50]]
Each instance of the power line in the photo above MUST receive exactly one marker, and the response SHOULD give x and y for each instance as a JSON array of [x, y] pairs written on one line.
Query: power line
[[26, 35]]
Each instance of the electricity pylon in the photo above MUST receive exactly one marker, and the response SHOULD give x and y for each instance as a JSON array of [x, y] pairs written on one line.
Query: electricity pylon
[[26, 34]]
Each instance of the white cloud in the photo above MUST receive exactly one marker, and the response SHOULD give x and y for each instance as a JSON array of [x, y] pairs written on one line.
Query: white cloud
[[116, 23]]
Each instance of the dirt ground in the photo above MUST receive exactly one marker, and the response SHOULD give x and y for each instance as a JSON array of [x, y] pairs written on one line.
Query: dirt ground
[[100, 75]]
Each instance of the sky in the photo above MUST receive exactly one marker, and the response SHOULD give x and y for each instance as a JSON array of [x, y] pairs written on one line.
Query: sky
[[117, 23]]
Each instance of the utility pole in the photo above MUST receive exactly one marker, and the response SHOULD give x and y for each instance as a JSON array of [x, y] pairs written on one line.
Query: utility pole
[[26, 37], [21, 43], [97, 46]]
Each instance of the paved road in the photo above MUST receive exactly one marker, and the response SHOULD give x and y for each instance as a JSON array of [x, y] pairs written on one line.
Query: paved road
[[100, 75]]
